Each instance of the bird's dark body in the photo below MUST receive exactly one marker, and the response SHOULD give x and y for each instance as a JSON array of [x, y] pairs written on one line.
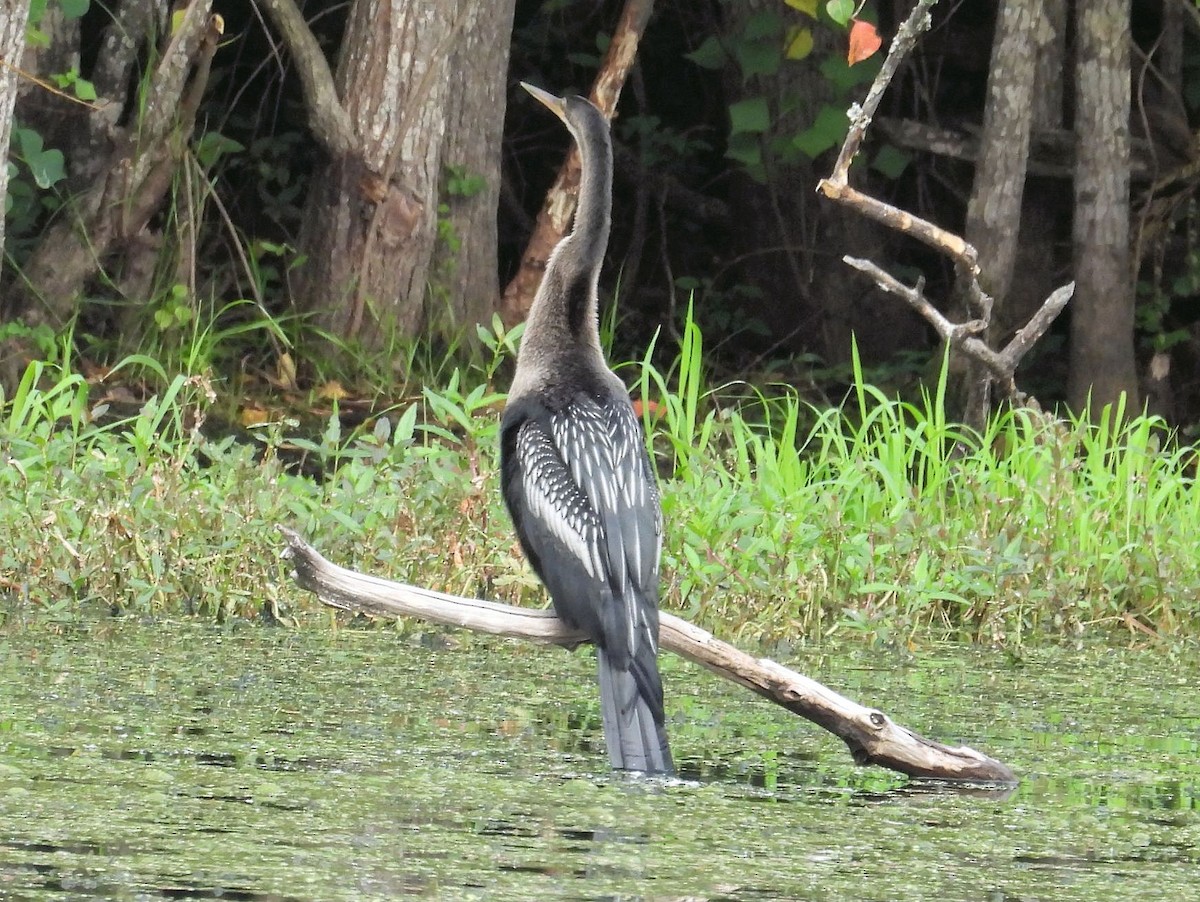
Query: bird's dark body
[[576, 477], [578, 484]]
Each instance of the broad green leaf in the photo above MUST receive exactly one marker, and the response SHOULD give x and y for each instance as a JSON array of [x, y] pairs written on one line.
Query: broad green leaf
[[30, 142], [799, 43], [709, 55], [765, 24], [827, 131], [74, 9], [749, 115], [840, 10], [84, 89], [844, 76], [47, 167], [758, 57], [891, 161], [808, 7], [213, 145]]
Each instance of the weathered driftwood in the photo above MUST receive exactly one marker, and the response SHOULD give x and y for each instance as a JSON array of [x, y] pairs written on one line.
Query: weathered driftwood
[[872, 736]]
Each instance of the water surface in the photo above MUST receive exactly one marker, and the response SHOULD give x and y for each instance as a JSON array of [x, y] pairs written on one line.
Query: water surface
[[176, 762]]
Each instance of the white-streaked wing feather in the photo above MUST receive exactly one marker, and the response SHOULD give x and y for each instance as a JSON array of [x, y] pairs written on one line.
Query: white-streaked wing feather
[[555, 500], [587, 482]]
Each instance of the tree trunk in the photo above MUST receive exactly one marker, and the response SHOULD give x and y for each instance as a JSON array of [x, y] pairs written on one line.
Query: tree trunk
[[994, 211], [1102, 352], [465, 279], [1048, 98], [371, 218], [13, 15]]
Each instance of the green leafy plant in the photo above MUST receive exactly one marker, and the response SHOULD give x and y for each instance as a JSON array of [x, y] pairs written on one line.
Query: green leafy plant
[[763, 43]]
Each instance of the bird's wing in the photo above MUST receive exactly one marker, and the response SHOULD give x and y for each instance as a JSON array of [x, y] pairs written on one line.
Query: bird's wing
[[579, 478], [549, 506]]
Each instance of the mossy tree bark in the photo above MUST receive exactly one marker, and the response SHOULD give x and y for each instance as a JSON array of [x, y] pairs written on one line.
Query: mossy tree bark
[[1102, 364], [418, 88], [13, 15], [994, 210], [465, 273]]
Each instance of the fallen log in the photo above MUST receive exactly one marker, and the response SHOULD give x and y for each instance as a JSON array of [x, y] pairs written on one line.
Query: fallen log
[[871, 736]]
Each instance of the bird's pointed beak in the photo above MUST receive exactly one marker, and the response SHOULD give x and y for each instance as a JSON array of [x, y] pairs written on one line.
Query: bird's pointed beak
[[552, 103]]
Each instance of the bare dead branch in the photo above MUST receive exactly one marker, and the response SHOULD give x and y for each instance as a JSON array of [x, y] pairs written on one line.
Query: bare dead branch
[[955, 333], [963, 337], [167, 84], [871, 736], [329, 120], [923, 230], [1033, 330], [559, 205], [910, 29]]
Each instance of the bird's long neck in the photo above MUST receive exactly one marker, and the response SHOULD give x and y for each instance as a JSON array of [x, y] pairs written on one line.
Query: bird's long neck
[[563, 318], [593, 214]]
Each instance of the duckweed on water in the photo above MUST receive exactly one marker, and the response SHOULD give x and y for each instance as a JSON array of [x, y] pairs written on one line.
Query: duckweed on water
[[166, 761]]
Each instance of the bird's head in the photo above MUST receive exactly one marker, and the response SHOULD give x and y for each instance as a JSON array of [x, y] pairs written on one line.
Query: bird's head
[[578, 113]]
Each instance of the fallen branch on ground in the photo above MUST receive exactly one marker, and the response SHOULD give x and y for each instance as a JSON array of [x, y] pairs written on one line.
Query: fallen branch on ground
[[871, 736]]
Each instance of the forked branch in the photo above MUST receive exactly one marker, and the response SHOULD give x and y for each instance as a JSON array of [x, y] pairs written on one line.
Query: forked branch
[[871, 736], [998, 367]]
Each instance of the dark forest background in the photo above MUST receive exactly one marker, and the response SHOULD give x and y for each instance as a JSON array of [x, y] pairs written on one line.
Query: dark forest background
[[193, 198]]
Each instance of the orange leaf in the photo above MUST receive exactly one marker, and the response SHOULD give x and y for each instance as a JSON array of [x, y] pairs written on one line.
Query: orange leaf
[[864, 41], [656, 409], [253, 415], [332, 391]]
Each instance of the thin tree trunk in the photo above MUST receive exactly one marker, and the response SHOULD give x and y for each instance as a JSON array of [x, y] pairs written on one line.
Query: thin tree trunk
[[465, 270], [994, 211], [1102, 352], [13, 15], [1048, 98], [371, 218]]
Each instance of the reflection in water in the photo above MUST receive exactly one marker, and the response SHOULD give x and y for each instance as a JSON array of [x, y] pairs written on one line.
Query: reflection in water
[[185, 763]]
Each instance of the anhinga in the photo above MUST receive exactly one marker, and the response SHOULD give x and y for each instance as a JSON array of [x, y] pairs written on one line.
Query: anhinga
[[575, 473]]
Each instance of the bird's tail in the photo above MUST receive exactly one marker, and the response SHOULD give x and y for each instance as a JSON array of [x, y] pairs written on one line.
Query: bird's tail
[[632, 711]]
